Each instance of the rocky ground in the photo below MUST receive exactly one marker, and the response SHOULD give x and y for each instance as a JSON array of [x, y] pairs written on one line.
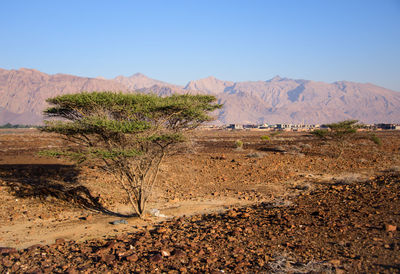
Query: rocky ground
[[286, 205]]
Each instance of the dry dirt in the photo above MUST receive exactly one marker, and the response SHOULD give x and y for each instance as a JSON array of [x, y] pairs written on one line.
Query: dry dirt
[[288, 204]]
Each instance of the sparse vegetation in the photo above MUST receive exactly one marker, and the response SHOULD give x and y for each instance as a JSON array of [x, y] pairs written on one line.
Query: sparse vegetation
[[320, 133], [275, 133], [342, 133], [127, 135], [8, 125], [239, 144], [270, 136], [375, 139], [266, 138], [337, 131]]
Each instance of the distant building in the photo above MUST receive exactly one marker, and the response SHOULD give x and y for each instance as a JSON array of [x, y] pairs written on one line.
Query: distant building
[[235, 126], [284, 126], [250, 126], [388, 126], [265, 126], [296, 127]]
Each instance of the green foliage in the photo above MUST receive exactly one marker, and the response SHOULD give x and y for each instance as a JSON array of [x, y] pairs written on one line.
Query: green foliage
[[89, 154], [270, 136], [320, 133], [266, 138], [129, 133], [337, 131], [275, 133], [343, 128], [8, 125], [375, 139], [342, 133], [79, 157], [239, 144], [134, 107]]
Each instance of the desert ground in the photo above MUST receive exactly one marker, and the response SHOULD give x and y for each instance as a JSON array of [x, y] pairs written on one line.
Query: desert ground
[[290, 204]]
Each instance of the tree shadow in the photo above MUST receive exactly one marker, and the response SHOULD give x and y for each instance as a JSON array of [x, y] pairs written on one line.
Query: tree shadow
[[51, 180]]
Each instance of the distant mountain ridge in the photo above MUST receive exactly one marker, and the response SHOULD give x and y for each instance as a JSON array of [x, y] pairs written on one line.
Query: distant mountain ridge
[[139, 81], [279, 100]]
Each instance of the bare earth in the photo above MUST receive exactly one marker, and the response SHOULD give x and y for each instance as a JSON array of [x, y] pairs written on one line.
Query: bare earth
[[285, 205]]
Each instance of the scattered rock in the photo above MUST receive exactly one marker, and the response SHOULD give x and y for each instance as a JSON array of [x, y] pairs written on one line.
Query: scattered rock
[[7, 250], [59, 241], [156, 258], [335, 262], [389, 227], [156, 213], [118, 222], [108, 258], [132, 258]]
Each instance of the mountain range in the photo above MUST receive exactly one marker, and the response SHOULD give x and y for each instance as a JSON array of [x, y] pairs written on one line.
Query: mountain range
[[279, 100]]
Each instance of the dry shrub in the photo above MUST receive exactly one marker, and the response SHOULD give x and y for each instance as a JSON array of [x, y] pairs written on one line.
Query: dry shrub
[[239, 144], [351, 178], [283, 264]]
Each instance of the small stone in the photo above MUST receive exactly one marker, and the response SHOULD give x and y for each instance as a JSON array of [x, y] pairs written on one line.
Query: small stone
[[389, 227], [232, 213], [178, 253], [33, 247], [174, 200], [156, 258], [86, 218], [118, 222], [7, 250], [335, 262], [89, 218], [231, 239], [165, 253], [7, 262], [59, 241], [108, 258], [132, 258], [44, 216], [72, 271]]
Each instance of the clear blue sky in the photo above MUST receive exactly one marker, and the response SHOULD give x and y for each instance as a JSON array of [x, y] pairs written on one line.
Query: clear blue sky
[[178, 41]]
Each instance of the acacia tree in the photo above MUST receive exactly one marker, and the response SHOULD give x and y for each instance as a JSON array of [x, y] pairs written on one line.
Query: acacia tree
[[342, 132], [128, 135]]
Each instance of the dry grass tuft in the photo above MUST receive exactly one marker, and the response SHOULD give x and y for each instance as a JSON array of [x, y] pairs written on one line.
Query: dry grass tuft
[[283, 264]]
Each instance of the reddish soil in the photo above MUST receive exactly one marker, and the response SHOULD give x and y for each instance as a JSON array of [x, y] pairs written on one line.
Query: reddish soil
[[288, 204]]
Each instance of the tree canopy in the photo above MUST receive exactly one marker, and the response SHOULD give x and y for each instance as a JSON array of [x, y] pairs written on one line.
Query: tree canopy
[[342, 132], [129, 133]]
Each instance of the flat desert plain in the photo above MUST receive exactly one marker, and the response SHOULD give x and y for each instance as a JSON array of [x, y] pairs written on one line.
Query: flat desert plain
[[288, 204]]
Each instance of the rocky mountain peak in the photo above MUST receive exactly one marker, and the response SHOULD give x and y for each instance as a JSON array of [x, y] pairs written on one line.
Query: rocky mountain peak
[[138, 75], [209, 84], [276, 78], [279, 100]]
